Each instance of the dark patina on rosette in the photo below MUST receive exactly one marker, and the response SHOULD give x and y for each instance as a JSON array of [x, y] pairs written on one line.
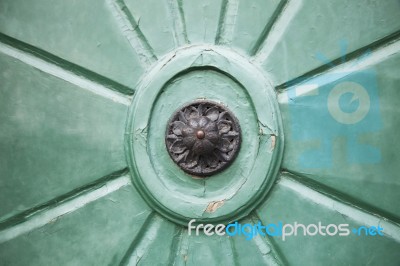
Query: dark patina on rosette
[[203, 138]]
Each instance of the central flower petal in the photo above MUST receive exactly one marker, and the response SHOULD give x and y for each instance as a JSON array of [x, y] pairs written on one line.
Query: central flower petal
[[211, 127], [192, 160], [211, 161], [193, 123], [189, 141], [212, 136], [203, 146], [188, 132], [203, 121]]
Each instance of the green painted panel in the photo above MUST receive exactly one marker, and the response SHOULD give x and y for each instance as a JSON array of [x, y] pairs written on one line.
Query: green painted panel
[[322, 27], [205, 250], [59, 141], [288, 206], [256, 251], [54, 137], [201, 19], [253, 17], [98, 234], [83, 32], [356, 159], [155, 22], [164, 241]]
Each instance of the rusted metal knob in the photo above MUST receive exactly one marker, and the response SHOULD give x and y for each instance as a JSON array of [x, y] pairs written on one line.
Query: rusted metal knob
[[203, 138]]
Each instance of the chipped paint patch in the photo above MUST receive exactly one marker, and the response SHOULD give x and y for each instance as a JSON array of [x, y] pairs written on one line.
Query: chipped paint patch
[[273, 142], [214, 205]]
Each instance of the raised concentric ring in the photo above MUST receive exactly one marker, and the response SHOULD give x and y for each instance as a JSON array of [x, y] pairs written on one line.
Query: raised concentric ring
[[243, 89]]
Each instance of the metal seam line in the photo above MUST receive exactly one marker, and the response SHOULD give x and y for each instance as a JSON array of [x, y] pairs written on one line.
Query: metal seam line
[[42, 218], [65, 75], [390, 230]]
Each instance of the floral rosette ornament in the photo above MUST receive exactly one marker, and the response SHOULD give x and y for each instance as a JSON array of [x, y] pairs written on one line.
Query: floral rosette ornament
[[203, 138]]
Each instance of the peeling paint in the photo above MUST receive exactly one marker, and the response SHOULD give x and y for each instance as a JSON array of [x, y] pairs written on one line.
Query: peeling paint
[[214, 205], [273, 142]]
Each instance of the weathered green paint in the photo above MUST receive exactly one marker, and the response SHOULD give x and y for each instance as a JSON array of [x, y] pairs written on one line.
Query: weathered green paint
[[321, 27], [98, 234], [201, 18], [90, 38], [46, 153], [252, 22], [157, 28], [289, 202], [87, 88]]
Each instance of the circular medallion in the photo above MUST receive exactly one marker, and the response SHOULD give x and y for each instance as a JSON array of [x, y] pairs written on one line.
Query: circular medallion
[[188, 107], [203, 138]]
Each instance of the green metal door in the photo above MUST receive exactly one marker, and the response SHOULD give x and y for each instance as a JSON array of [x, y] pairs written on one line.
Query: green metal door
[[298, 100]]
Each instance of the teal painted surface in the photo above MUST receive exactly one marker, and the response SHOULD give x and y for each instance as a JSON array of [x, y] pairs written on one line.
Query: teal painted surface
[[289, 206], [158, 249], [98, 234], [83, 32], [195, 250], [321, 27], [155, 23], [201, 19], [259, 250], [54, 137], [87, 87], [252, 21]]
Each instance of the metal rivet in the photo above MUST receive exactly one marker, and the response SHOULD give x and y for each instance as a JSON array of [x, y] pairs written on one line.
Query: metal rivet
[[200, 134]]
